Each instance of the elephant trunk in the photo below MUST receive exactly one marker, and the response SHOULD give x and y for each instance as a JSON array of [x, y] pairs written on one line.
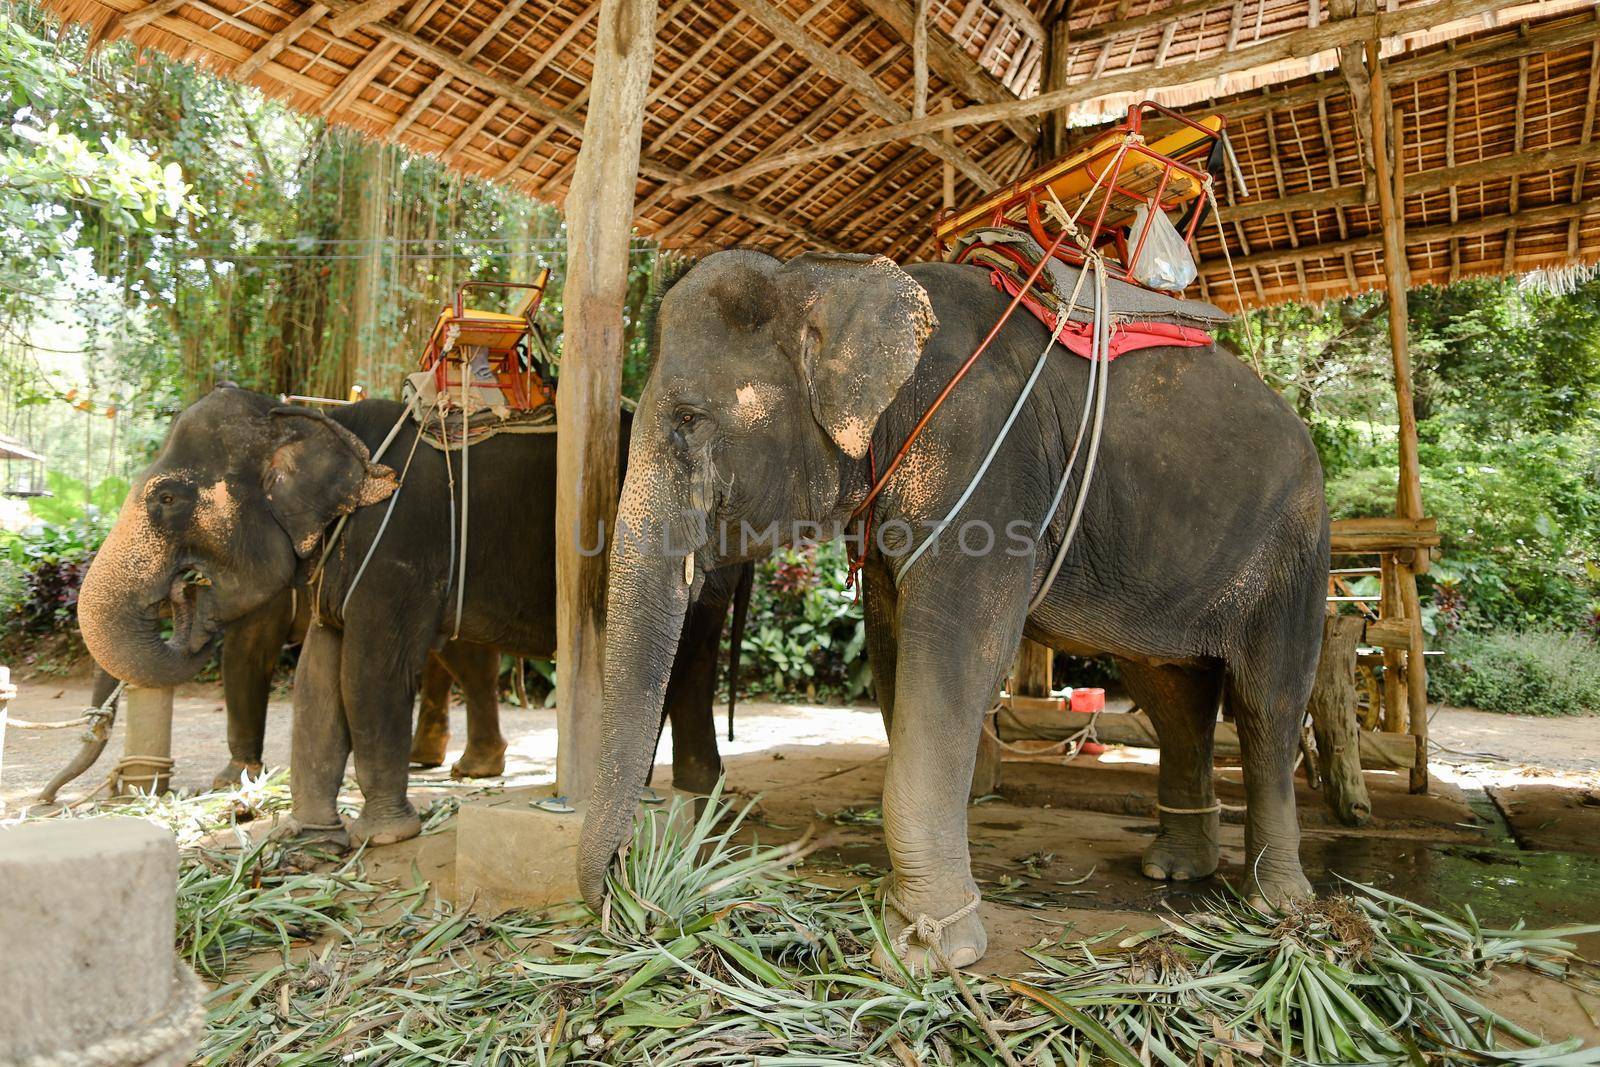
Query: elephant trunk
[[646, 602], [120, 607]]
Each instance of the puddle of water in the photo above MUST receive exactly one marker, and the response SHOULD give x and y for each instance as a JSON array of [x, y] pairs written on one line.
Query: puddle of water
[[1542, 889]]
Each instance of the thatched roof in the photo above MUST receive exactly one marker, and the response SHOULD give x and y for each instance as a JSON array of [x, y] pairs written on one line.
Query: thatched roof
[[498, 88]]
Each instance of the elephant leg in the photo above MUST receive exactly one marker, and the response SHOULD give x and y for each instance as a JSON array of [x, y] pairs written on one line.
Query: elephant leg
[[1268, 689], [321, 739], [250, 649], [432, 735], [691, 692], [1182, 704], [953, 649], [878, 609], [477, 671], [378, 692]]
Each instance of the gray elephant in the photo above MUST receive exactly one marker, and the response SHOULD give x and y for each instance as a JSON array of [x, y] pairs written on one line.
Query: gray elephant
[[235, 509], [1200, 563], [250, 650]]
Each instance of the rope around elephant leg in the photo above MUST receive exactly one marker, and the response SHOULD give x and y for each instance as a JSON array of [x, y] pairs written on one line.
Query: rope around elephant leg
[[930, 932]]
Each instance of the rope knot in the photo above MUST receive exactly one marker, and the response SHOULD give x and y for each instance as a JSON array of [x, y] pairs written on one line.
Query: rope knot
[[928, 931]]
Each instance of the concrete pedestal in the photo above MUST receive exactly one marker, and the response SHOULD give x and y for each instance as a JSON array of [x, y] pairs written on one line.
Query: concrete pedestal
[[90, 977], [515, 857]]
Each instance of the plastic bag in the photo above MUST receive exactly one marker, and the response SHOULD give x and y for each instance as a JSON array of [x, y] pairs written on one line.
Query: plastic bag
[[1164, 261]]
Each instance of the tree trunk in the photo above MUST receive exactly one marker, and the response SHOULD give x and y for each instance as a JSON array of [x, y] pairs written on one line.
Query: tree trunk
[[1333, 721]]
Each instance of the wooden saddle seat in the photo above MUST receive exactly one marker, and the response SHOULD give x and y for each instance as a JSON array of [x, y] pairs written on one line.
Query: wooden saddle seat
[[479, 358], [1101, 186]]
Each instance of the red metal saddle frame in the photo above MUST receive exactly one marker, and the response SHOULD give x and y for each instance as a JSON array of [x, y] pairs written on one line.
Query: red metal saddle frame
[[507, 337], [1174, 154]]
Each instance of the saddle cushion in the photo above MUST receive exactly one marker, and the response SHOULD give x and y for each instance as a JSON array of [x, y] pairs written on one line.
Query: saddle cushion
[[1127, 302]]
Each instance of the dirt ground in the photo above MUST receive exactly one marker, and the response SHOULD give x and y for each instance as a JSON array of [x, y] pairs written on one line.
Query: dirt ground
[[1512, 826]]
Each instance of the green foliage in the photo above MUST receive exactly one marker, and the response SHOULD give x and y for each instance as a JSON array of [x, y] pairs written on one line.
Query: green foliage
[[42, 566], [805, 634], [1532, 672]]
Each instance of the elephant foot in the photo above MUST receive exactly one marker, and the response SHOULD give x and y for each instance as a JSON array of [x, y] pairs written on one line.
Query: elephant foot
[[961, 937], [1277, 888], [294, 831], [427, 747], [385, 828], [483, 762], [1185, 850], [230, 775]]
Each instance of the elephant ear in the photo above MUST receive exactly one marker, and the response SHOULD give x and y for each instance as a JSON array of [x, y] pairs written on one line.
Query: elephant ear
[[319, 471], [863, 323]]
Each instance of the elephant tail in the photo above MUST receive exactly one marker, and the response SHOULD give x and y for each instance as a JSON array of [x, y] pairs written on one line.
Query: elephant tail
[[741, 611]]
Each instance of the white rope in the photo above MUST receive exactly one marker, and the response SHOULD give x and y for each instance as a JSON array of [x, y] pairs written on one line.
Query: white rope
[[90, 716], [461, 570], [927, 930], [394, 498], [1251, 339]]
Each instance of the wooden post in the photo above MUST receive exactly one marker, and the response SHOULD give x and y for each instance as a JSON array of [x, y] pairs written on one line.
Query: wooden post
[[1031, 677], [1394, 671], [1388, 151], [1333, 721], [1053, 131], [919, 62], [147, 746], [599, 228]]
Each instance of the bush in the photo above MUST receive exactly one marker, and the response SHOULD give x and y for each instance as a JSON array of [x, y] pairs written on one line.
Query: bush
[[805, 636], [42, 567], [1533, 672]]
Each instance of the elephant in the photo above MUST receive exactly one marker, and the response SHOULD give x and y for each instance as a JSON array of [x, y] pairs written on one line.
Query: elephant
[[240, 504], [778, 392], [250, 650]]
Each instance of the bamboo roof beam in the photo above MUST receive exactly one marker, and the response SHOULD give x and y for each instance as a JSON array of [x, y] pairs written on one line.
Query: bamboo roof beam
[[1491, 226], [1291, 45], [359, 77], [1586, 137], [280, 40], [1426, 181], [359, 16], [1160, 15], [846, 72], [1023, 16], [951, 63]]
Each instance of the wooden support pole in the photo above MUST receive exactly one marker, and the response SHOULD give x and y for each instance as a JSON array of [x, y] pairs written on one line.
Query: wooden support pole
[[1388, 151], [1397, 277], [1333, 721], [599, 224], [1054, 130], [919, 62], [1032, 674]]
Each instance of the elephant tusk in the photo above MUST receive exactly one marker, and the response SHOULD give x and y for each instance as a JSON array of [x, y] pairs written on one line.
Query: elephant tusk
[[688, 568]]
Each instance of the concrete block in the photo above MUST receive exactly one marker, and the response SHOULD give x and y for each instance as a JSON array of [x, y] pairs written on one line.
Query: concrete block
[[515, 857], [89, 974]]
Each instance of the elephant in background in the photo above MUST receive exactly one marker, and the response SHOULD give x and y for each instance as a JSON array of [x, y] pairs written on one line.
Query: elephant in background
[[234, 511], [250, 650], [777, 387]]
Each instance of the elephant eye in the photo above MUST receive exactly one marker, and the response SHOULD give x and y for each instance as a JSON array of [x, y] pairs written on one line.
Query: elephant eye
[[687, 418], [167, 499]]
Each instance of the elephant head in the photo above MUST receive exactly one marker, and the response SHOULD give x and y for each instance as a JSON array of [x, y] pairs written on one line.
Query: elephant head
[[238, 494], [768, 380]]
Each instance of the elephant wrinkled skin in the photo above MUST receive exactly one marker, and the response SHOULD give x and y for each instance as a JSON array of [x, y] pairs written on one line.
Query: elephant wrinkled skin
[[1199, 565]]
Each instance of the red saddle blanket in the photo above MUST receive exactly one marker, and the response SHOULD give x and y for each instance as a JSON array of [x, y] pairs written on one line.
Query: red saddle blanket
[[1125, 336]]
